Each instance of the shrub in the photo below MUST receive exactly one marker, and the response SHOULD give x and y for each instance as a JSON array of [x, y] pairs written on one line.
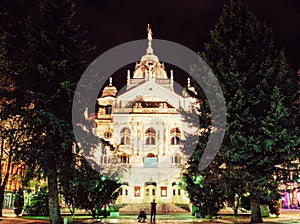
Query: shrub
[[19, 199], [38, 203]]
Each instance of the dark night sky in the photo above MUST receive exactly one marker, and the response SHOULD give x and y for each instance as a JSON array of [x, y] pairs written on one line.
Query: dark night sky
[[187, 22]]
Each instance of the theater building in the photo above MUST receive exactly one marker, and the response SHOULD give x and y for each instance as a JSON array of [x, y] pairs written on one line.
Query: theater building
[[145, 124]]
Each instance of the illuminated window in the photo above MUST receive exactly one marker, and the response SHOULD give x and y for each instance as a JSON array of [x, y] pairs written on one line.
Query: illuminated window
[[175, 131], [175, 136], [150, 136], [124, 158], [137, 191], [163, 191], [125, 136], [176, 158], [150, 155], [175, 140]]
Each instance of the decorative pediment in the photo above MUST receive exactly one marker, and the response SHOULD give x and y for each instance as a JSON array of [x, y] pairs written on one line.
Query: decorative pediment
[[150, 91]]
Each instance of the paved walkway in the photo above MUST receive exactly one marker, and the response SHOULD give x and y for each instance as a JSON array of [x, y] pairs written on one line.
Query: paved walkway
[[291, 216]]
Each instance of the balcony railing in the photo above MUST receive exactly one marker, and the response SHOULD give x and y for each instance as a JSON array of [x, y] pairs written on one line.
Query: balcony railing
[[146, 110]]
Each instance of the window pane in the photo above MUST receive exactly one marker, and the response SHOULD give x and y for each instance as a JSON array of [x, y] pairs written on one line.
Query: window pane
[[150, 131], [137, 191], [163, 191]]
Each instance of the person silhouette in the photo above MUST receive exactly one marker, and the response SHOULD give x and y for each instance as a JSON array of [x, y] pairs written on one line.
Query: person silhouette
[[142, 216], [153, 211]]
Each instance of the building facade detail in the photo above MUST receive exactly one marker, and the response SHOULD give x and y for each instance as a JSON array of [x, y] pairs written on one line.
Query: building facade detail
[[145, 125]]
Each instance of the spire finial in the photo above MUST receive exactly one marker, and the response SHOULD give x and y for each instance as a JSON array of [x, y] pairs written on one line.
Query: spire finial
[[149, 33], [149, 49], [110, 81], [188, 82], [128, 76]]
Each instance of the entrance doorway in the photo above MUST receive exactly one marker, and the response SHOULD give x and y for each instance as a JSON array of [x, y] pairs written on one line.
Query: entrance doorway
[[150, 192]]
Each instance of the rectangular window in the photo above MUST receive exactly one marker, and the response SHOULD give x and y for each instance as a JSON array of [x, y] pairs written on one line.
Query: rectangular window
[[147, 192], [137, 191], [178, 191], [163, 191], [174, 192]]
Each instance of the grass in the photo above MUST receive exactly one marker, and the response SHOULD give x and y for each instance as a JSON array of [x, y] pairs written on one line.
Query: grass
[[35, 217]]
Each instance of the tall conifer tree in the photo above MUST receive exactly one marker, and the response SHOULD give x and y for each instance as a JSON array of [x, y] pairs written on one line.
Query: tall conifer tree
[[55, 57], [12, 134], [261, 94], [258, 88]]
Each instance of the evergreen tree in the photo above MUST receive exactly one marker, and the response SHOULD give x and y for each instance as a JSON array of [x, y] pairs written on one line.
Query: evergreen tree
[[260, 93], [84, 188], [4, 62], [13, 135], [204, 186], [55, 62]]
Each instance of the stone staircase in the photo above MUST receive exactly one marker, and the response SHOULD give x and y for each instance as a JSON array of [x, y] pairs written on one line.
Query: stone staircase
[[135, 209]]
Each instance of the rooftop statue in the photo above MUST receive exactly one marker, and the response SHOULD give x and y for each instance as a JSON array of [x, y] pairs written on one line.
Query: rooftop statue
[[149, 33]]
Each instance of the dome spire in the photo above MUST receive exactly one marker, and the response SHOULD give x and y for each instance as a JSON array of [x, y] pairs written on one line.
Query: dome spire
[[149, 49], [188, 82]]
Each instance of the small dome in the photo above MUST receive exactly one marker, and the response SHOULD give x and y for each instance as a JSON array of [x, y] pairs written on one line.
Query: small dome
[[109, 90]]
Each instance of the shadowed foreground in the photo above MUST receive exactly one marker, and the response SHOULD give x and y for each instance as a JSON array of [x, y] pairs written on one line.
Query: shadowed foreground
[[286, 216]]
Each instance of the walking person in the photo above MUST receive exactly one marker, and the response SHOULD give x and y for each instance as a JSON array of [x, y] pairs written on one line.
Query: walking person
[[153, 211]]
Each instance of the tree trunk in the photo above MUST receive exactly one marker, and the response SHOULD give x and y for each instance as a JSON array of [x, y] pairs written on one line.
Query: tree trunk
[[54, 210], [4, 181], [255, 210], [1, 200], [105, 212], [236, 206]]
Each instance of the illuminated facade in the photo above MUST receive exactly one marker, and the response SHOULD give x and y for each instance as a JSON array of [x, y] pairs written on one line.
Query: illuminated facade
[[145, 124], [15, 174]]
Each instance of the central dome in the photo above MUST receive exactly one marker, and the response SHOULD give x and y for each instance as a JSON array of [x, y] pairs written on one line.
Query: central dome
[[149, 66], [149, 57]]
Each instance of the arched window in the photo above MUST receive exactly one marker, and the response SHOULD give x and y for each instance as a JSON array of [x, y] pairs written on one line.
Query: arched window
[[124, 158], [175, 136], [150, 155], [176, 158], [150, 136], [125, 136], [175, 140], [150, 131], [105, 159], [175, 131]]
